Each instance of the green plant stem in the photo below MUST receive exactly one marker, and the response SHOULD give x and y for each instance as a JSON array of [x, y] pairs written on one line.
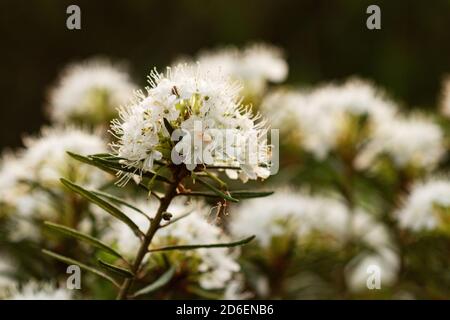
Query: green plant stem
[[179, 174]]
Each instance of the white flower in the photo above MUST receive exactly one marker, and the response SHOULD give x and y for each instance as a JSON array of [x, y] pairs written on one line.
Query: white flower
[[253, 66], [284, 108], [217, 266], [90, 92], [11, 172], [39, 291], [412, 141], [369, 231], [364, 268], [291, 213], [422, 209], [46, 160], [299, 214], [204, 110], [30, 188], [321, 116], [235, 289]]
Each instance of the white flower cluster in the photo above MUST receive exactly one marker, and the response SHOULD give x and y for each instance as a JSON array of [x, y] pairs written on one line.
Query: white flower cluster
[[291, 213], [427, 206], [90, 92], [254, 66], [408, 141], [29, 180], [359, 270], [321, 116], [382, 255], [38, 291], [204, 110], [45, 158], [216, 267], [301, 215], [326, 117]]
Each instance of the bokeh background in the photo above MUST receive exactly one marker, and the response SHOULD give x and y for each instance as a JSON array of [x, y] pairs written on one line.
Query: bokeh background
[[323, 40]]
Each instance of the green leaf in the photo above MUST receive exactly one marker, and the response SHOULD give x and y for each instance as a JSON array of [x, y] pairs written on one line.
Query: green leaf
[[83, 237], [118, 201], [159, 283], [92, 162], [125, 273], [216, 191], [234, 194], [115, 165], [71, 261], [243, 194], [198, 246], [111, 165], [107, 156], [103, 204], [175, 219]]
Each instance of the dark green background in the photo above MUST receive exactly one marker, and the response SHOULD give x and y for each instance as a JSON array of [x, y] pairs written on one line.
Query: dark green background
[[324, 40]]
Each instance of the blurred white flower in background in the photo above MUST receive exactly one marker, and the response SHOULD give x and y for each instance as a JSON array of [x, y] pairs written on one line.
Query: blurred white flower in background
[[290, 213], [90, 92], [205, 108], [38, 291], [358, 271], [408, 141], [282, 107], [11, 172], [369, 231], [45, 157], [326, 116], [216, 267], [254, 66], [30, 185], [427, 207]]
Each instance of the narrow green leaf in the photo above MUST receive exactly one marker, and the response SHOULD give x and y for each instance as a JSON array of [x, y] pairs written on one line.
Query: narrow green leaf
[[92, 162], [103, 204], [107, 156], [125, 273], [115, 165], [71, 261], [159, 283], [175, 220], [112, 166], [118, 201], [215, 190], [234, 194], [83, 237], [198, 246], [111, 157], [243, 194]]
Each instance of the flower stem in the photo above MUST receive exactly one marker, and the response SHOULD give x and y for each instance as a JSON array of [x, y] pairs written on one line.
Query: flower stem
[[179, 174]]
